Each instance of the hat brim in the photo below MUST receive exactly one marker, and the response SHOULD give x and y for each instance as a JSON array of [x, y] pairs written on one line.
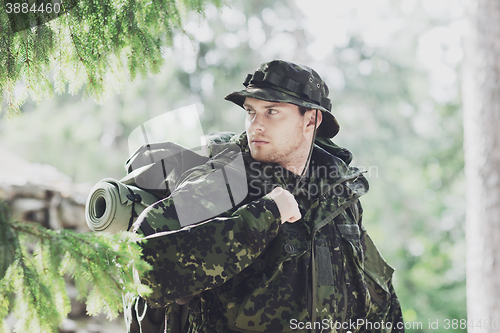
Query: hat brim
[[329, 126]]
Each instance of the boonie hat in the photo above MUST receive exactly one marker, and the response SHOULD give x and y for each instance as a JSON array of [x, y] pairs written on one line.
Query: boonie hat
[[286, 82]]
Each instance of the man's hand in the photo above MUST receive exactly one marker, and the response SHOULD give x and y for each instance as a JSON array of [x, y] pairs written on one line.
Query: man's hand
[[287, 205]]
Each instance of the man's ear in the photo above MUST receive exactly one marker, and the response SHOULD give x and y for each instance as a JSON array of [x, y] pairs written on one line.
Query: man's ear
[[311, 115]]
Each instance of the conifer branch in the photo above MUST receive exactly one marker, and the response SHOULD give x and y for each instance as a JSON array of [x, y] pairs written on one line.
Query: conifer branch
[[101, 33], [35, 261]]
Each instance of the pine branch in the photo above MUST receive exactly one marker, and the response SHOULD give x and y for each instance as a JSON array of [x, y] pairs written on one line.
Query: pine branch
[[36, 260], [102, 33]]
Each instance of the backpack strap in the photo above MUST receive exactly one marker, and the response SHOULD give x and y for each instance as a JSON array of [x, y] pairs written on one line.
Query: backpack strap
[[318, 226]]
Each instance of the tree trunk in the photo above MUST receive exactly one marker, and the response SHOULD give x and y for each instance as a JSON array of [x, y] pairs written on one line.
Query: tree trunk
[[481, 91]]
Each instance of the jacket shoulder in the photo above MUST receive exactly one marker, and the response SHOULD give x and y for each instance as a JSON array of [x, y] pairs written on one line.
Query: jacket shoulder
[[334, 149]]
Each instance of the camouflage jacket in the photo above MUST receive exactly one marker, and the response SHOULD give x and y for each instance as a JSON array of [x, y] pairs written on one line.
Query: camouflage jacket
[[244, 271]]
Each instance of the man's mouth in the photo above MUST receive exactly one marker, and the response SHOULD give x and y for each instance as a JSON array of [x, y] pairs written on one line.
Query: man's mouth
[[259, 142]]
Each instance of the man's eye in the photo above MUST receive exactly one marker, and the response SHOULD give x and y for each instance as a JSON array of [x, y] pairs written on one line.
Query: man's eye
[[250, 111], [271, 111]]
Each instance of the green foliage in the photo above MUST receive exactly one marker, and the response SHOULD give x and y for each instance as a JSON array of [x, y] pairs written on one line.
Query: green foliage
[[102, 266], [7, 238], [412, 146], [94, 44]]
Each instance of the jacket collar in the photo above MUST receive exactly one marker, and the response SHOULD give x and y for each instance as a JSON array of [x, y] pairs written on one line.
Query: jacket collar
[[328, 160]]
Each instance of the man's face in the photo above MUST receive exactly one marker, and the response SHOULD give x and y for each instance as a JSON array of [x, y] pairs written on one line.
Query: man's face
[[275, 131]]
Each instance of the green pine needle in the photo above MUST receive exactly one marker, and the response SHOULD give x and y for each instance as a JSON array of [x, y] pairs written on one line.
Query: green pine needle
[[81, 48], [36, 260]]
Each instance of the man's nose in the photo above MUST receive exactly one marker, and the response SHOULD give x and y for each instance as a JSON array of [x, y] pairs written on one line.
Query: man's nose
[[257, 123]]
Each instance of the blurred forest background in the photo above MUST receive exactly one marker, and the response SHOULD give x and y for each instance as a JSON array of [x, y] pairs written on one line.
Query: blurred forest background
[[393, 68]]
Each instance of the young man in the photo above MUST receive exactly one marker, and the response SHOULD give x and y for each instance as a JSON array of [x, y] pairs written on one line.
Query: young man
[[293, 256]]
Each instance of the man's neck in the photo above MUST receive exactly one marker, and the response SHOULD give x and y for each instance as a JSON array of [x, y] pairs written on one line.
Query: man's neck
[[296, 165]]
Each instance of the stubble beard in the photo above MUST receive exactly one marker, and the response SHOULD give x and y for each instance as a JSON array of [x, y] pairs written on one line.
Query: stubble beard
[[285, 156]]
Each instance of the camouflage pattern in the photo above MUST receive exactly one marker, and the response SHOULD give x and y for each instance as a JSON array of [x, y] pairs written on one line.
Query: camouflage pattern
[[287, 82], [244, 271]]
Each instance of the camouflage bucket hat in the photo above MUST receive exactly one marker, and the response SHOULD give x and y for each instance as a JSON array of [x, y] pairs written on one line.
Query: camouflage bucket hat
[[283, 81]]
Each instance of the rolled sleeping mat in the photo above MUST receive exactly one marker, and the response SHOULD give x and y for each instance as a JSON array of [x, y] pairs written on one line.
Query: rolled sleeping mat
[[113, 206]]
